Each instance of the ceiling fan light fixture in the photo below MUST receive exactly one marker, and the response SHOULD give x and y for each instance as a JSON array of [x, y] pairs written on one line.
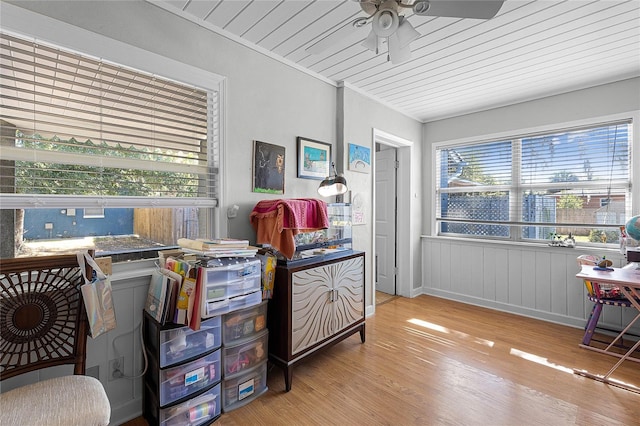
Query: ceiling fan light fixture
[[421, 7], [371, 42], [397, 53], [385, 22], [406, 33]]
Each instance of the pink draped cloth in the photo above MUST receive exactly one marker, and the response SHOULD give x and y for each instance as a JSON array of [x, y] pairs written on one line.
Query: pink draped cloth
[[276, 222]]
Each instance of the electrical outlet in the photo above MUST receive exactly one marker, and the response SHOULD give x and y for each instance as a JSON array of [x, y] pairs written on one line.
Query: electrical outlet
[[116, 368]]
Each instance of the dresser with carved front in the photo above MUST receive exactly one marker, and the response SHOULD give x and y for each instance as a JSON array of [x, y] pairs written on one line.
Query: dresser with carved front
[[316, 303]]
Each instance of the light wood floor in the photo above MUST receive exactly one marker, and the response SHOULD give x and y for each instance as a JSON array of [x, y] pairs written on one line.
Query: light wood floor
[[382, 298], [429, 361]]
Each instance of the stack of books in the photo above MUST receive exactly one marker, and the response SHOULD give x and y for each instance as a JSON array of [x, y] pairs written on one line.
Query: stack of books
[[221, 247], [165, 287], [173, 295]]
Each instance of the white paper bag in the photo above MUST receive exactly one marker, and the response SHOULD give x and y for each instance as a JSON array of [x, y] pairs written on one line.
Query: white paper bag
[[97, 297]]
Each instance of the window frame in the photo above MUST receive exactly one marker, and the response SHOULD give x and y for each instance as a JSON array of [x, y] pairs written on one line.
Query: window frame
[[93, 213], [633, 117], [25, 24]]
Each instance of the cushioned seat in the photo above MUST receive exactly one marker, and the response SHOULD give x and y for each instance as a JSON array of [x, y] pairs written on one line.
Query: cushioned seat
[[65, 401]]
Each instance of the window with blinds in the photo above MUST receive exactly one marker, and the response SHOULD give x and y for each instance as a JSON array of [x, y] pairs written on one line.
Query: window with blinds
[[80, 132], [538, 187]]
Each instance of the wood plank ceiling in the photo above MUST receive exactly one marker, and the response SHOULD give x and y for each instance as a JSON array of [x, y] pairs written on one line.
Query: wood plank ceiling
[[530, 49]]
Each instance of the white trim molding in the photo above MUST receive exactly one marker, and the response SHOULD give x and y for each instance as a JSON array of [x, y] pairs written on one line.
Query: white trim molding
[[404, 277]]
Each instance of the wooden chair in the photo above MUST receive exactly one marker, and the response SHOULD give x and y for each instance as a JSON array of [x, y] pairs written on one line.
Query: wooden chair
[[600, 295], [43, 323]]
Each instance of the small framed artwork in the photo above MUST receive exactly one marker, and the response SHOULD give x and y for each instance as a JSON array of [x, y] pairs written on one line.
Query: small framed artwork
[[314, 159], [358, 209], [268, 168], [359, 158]]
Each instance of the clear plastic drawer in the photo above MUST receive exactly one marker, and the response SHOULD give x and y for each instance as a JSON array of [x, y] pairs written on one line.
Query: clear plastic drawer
[[233, 288], [179, 344], [245, 388], [184, 380], [244, 323], [197, 411], [221, 307], [245, 354]]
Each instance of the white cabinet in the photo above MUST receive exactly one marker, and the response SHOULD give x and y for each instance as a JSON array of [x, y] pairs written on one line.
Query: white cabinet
[[315, 303]]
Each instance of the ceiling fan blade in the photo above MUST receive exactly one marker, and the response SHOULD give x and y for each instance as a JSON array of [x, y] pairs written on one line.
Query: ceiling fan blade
[[478, 9], [333, 38]]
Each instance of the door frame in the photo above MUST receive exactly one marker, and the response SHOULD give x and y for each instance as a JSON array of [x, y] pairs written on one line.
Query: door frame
[[404, 278]]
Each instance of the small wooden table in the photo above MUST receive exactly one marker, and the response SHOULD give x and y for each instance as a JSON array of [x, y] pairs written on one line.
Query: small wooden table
[[628, 280]]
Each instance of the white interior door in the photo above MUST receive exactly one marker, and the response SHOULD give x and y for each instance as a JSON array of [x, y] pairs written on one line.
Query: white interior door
[[385, 260]]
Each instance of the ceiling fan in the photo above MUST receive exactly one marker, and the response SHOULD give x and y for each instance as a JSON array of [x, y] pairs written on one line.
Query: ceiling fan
[[388, 23]]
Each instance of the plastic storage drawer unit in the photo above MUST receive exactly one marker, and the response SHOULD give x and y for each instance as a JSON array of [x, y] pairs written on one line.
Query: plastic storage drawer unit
[[179, 382], [244, 323], [233, 288], [245, 354], [197, 411], [221, 271], [225, 306], [180, 344], [245, 388]]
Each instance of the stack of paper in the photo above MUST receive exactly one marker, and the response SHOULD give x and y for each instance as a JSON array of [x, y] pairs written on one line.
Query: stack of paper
[[224, 247]]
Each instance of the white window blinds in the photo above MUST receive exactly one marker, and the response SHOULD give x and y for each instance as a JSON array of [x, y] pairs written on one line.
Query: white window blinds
[[79, 129], [574, 181]]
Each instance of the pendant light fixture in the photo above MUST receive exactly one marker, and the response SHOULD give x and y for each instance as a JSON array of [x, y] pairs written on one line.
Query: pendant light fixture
[[334, 184]]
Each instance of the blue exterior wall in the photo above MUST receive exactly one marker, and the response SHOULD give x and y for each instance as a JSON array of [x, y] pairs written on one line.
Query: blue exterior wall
[[115, 222]]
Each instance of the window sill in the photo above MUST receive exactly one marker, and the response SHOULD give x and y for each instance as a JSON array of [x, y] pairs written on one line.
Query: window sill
[[578, 249]]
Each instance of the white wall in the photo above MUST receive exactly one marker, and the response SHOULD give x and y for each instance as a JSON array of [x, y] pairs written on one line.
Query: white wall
[[537, 281], [607, 99], [534, 281]]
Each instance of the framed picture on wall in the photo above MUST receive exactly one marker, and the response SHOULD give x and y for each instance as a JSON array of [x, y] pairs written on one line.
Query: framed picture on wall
[[268, 168], [359, 158], [314, 159]]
